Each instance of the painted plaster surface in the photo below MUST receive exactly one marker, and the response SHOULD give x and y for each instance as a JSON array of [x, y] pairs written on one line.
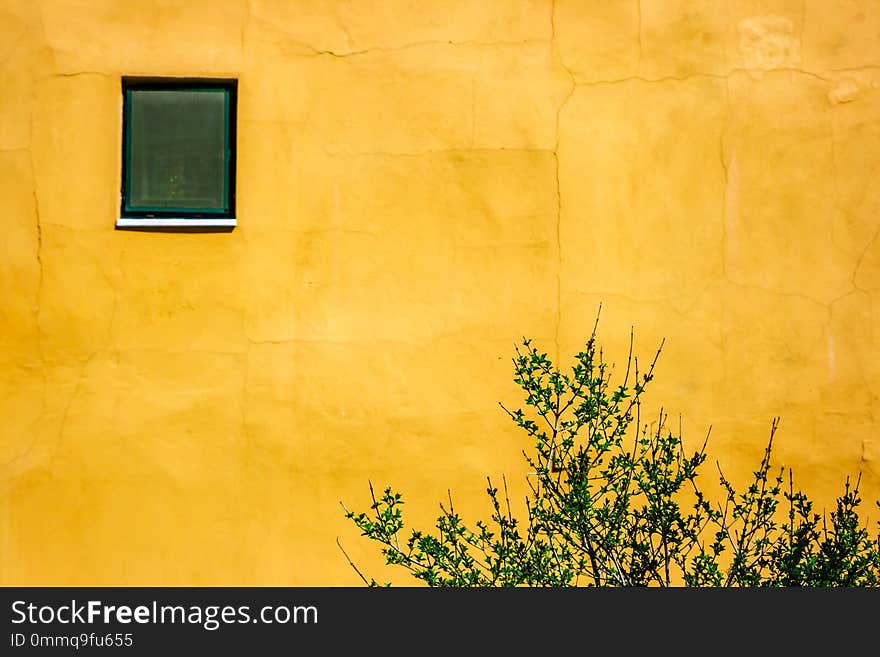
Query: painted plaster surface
[[419, 185]]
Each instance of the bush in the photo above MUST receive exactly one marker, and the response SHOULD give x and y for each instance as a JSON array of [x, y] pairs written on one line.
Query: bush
[[613, 503]]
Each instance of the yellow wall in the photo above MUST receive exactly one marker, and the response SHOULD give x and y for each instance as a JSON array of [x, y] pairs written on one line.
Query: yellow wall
[[420, 184]]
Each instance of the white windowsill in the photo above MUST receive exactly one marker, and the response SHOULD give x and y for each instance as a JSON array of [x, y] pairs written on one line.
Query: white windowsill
[[131, 222]]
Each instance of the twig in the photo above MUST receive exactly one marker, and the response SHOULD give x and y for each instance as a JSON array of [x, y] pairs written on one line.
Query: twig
[[350, 562]]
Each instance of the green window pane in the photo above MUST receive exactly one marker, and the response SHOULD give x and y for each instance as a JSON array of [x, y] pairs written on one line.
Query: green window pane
[[177, 150]]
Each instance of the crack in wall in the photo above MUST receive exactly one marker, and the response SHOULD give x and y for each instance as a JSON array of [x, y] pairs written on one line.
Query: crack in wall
[[244, 391], [434, 151], [725, 115], [244, 26], [327, 341], [557, 54], [67, 408], [473, 111], [687, 301], [111, 324], [558, 254], [713, 76], [835, 175], [639, 36], [862, 257], [795, 295], [39, 250], [74, 74], [40, 275], [38, 255], [316, 52], [39, 226], [866, 68], [172, 352], [803, 29]]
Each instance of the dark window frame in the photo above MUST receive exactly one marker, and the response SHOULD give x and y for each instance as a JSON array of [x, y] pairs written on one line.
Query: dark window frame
[[180, 216]]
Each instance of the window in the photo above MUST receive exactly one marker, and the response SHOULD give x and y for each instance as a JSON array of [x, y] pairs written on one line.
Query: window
[[178, 153]]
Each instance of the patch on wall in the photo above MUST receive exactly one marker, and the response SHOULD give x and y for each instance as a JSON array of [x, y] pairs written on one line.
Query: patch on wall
[[768, 42]]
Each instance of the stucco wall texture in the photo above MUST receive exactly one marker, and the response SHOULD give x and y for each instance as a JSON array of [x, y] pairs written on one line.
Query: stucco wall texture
[[420, 184]]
